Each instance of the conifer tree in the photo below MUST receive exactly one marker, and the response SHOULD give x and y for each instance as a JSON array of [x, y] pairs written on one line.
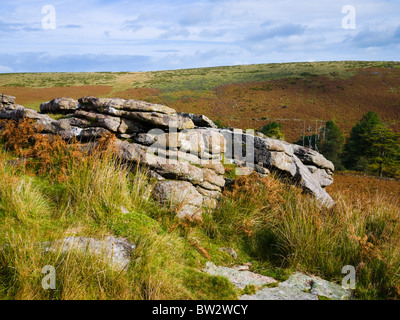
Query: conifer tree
[[273, 130], [357, 147], [332, 144], [384, 150]]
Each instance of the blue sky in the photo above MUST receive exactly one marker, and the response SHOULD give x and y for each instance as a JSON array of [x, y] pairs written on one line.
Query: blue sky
[[101, 35]]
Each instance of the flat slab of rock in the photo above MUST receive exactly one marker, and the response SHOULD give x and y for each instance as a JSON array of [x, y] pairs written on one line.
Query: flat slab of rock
[[240, 279], [114, 250], [59, 105], [94, 103], [301, 287]]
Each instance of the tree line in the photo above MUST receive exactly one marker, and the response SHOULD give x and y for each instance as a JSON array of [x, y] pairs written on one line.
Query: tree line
[[372, 147]]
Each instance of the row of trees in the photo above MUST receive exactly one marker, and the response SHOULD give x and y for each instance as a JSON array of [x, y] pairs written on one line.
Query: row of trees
[[371, 147]]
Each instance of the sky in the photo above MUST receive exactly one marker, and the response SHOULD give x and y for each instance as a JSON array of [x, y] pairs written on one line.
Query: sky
[[102, 35]]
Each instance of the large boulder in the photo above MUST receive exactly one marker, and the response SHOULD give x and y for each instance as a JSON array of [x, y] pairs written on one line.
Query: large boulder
[[100, 104], [247, 150], [199, 120], [310, 185], [312, 157], [153, 115], [98, 120], [59, 105], [6, 100], [182, 195]]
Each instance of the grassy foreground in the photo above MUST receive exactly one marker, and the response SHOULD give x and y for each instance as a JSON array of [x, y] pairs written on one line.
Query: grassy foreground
[[62, 190]]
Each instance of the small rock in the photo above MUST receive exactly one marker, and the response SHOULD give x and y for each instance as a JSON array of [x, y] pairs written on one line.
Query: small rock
[[239, 279]]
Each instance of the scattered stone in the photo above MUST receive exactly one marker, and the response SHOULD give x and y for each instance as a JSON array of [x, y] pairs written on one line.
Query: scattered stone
[[240, 279], [302, 287], [116, 251]]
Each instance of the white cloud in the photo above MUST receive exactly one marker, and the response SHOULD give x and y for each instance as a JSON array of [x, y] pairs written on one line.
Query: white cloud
[[202, 32]]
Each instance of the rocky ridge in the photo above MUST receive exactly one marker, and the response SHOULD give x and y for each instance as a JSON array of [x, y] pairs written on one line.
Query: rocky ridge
[[184, 152]]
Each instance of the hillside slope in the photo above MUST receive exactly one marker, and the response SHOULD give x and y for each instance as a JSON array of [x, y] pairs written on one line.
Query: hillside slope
[[301, 96]]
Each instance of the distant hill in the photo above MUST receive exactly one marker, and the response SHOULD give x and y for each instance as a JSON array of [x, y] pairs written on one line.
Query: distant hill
[[301, 96]]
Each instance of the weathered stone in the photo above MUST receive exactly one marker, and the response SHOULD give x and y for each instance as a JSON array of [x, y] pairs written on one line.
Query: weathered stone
[[209, 186], [128, 126], [160, 120], [302, 287], [151, 114], [154, 175], [18, 112], [168, 168], [280, 161], [43, 122], [213, 178], [182, 195], [98, 120], [321, 176], [199, 120], [116, 251], [311, 157], [198, 142], [280, 156], [59, 105], [310, 185], [262, 172], [121, 104], [89, 133], [239, 279], [216, 166], [6, 100]]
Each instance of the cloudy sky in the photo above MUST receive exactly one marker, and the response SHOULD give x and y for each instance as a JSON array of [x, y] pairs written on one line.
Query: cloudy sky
[[103, 35]]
